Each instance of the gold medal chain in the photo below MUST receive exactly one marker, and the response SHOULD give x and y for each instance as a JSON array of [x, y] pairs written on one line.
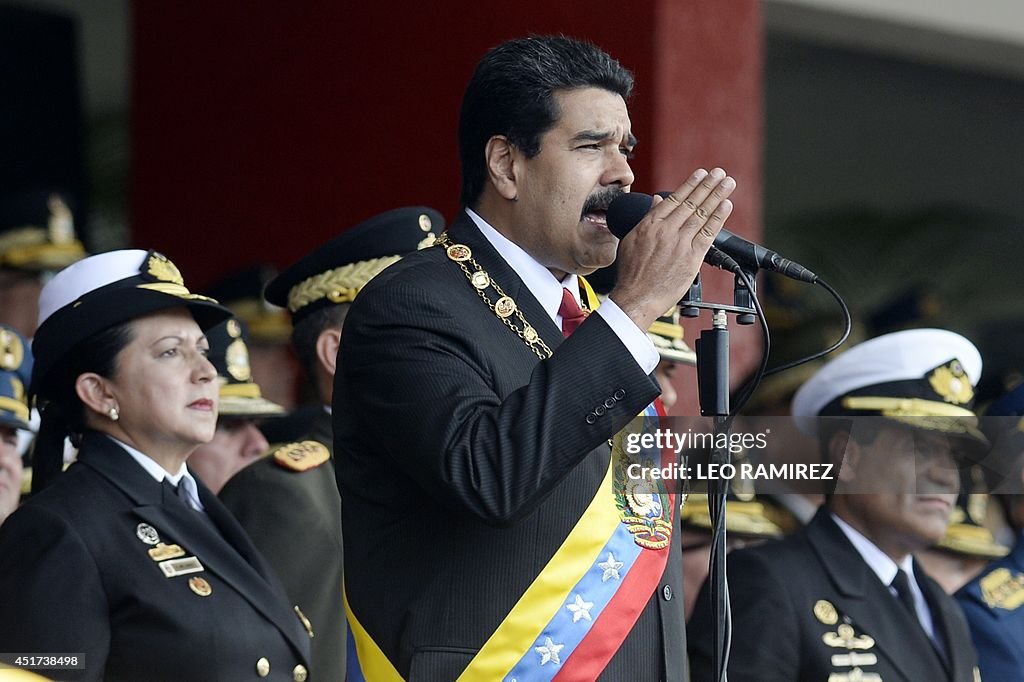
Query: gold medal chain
[[479, 279]]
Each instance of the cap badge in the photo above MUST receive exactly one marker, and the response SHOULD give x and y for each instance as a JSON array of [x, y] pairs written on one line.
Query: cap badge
[[233, 329], [302, 456], [161, 268], [951, 382], [425, 222], [61, 226], [237, 358], [11, 350]]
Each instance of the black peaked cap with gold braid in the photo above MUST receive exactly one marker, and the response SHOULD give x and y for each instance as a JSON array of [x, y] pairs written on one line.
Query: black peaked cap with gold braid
[[335, 272], [105, 290], [240, 395], [37, 231]]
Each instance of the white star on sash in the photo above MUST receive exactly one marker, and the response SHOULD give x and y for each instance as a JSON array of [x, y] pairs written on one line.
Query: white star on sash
[[580, 609], [549, 652], [610, 567]]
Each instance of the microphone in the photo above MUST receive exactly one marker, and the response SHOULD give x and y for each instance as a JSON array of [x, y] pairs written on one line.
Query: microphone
[[626, 210]]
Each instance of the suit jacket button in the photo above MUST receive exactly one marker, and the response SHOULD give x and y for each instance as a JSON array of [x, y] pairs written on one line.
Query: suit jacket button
[[619, 394], [666, 592], [599, 410], [610, 403], [591, 418], [263, 667], [299, 673]]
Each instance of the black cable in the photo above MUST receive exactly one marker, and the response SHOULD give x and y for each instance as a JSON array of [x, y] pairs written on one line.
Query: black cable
[[848, 322]]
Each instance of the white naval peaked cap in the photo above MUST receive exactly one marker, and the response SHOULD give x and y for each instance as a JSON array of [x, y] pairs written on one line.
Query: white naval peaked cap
[[87, 275], [882, 363]]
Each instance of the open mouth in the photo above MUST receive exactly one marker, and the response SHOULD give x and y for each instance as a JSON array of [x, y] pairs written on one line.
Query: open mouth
[[598, 218]]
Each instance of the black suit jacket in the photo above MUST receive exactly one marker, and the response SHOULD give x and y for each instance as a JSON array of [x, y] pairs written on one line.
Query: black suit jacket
[[294, 519], [464, 461], [76, 576], [782, 631]]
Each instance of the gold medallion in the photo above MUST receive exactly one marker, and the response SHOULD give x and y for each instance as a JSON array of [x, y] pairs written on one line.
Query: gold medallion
[[480, 279], [504, 307], [825, 612], [200, 586], [530, 334], [459, 252]]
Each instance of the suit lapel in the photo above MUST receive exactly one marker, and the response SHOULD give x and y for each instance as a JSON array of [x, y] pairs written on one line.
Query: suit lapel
[[465, 231], [227, 554], [870, 605]]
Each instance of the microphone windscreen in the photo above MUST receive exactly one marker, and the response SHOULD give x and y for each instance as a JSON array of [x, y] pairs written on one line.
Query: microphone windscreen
[[626, 210]]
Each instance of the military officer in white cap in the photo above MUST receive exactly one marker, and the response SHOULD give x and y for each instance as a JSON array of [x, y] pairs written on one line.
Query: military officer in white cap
[[844, 599], [126, 562]]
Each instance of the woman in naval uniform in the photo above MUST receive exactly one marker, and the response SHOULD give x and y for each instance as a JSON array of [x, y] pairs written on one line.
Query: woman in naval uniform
[[125, 566]]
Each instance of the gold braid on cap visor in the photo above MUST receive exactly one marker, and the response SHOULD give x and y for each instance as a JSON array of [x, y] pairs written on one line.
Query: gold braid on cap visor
[[338, 285], [917, 411]]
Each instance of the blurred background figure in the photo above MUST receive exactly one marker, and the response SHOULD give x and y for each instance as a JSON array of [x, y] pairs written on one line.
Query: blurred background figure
[[15, 374], [750, 519], [268, 330], [238, 441], [289, 502], [969, 544], [994, 601]]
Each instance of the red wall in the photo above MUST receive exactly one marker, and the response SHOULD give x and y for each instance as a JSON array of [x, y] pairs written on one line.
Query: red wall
[[262, 129]]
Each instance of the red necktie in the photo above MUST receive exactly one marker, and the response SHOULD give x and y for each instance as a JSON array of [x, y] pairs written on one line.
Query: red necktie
[[572, 314]]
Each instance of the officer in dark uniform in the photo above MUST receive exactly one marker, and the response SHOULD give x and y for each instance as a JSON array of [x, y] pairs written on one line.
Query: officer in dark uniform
[[994, 601], [843, 599], [238, 441], [125, 560], [289, 502], [15, 373]]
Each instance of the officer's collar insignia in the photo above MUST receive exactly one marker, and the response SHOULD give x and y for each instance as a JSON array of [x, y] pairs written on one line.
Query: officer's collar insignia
[[825, 612], [1003, 589], [159, 267], [301, 456], [950, 381], [11, 350]]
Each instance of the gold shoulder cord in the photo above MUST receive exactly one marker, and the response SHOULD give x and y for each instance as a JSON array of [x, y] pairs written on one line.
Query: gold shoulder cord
[[504, 308]]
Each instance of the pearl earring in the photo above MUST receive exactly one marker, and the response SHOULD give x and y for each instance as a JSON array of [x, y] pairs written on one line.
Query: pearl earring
[[113, 414]]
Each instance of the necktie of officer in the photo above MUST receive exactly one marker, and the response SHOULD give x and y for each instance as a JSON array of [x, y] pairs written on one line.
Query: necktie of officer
[[571, 313], [901, 583], [179, 492]]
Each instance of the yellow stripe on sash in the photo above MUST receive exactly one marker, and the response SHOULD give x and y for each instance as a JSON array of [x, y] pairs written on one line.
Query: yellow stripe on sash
[[375, 665], [546, 595]]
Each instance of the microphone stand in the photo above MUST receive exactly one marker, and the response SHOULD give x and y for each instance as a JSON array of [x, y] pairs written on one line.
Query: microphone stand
[[713, 388]]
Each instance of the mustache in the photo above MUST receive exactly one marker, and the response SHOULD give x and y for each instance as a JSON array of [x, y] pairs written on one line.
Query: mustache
[[600, 200]]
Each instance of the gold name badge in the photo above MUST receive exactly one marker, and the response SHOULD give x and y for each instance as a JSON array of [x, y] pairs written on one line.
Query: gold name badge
[[176, 567], [163, 552]]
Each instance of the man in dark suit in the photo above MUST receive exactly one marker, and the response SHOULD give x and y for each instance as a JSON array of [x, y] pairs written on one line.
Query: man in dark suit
[[994, 601], [288, 502], [485, 534], [844, 599]]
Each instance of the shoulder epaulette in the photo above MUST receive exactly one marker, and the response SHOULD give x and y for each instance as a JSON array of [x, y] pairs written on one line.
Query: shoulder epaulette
[[1003, 589], [301, 456]]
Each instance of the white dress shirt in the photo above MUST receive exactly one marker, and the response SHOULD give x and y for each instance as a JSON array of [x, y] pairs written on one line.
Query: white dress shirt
[[182, 477], [548, 291]]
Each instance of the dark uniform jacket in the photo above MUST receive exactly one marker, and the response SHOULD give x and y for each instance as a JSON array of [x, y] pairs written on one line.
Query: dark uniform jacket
[[78, 575], [994, 605], [464, 461], [294, 519], [809, 608]]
